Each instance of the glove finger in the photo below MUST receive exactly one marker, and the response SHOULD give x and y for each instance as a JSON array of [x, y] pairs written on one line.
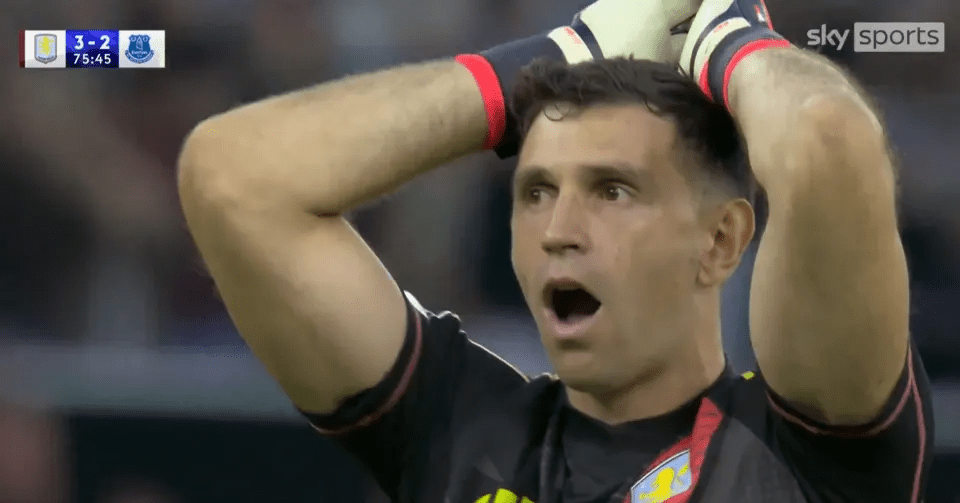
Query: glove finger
[[679, 11]]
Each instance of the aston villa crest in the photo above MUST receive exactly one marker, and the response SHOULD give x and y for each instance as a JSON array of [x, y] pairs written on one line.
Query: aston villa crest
[[667, 480], [45, 47]]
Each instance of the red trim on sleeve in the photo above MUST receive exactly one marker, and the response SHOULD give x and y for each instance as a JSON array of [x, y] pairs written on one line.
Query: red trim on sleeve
[[909, 390], [492, 93], [397, 394], [921, 435]]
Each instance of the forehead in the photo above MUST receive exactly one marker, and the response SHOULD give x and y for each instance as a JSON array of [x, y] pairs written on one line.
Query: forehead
[[603, 135]]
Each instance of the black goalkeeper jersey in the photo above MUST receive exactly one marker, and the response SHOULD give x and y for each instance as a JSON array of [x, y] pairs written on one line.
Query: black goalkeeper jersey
[[454, 423]]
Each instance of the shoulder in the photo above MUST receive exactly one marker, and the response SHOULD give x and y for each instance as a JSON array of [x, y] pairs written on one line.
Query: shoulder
[[883, 460], [445, 404], [444, 349]]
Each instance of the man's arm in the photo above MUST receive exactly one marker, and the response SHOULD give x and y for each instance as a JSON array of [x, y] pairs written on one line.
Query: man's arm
[[264, 188], [829, 306]]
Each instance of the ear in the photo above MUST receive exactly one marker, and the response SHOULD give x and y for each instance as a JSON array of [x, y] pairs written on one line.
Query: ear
[[732, 227]]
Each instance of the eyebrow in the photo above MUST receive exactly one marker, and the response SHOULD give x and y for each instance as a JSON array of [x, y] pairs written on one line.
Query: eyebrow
[[531, 175]]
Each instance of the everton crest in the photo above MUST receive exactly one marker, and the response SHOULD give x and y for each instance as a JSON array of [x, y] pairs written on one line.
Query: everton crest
[[139, 51]]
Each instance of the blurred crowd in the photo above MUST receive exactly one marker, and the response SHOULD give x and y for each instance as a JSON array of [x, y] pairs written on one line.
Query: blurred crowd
[[93, 248]]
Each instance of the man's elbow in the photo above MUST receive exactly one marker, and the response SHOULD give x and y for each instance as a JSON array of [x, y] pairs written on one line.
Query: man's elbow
[[847, 150], [207, 164], [849, 132]]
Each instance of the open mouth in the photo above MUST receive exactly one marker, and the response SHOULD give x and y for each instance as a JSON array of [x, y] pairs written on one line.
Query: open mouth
[[570, 301]]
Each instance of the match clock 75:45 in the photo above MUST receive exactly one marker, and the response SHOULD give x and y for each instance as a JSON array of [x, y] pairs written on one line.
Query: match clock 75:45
[[93, 48]]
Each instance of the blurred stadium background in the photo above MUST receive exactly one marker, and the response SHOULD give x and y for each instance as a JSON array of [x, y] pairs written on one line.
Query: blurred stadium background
[[121, 378]]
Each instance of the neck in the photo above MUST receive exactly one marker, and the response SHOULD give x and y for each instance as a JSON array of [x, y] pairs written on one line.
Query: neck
[[666, 384]]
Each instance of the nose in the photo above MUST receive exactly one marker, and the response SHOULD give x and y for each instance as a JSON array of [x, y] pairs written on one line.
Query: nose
[[567, 228]]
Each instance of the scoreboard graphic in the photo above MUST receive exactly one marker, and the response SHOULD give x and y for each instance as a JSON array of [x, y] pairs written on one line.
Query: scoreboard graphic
[[93, 49]]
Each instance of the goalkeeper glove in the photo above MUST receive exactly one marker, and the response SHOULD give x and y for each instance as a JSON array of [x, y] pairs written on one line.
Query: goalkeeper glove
[[604, 29], [721, 35]]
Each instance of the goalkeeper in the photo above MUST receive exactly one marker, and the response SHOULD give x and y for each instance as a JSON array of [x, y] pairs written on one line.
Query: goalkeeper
[[631, 208]]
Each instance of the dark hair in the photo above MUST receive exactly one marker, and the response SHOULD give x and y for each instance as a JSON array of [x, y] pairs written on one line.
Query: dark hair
[[704, 127]]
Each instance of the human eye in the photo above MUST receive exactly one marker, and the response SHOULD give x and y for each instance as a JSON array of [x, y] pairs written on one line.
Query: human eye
[[613, 191], [535, 194]]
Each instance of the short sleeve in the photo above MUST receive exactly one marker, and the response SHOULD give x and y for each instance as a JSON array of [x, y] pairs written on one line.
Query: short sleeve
[[397, 427], [886, 460]]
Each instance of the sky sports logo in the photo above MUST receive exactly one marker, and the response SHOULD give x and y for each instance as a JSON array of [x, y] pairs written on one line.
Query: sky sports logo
[[881, 37]]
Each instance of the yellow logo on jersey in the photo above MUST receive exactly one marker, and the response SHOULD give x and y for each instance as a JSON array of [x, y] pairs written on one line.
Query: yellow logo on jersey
[[667, 480], [503, 496]]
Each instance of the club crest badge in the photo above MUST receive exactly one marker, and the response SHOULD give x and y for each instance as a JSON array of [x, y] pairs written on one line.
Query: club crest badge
[[45, 48], [139, 51], [668, 479]]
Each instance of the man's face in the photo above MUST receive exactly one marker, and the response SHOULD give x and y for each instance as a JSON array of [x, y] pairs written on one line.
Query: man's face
[[606, 244]]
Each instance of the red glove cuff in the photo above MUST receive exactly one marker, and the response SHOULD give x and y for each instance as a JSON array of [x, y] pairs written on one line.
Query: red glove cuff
[[492, 93]]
